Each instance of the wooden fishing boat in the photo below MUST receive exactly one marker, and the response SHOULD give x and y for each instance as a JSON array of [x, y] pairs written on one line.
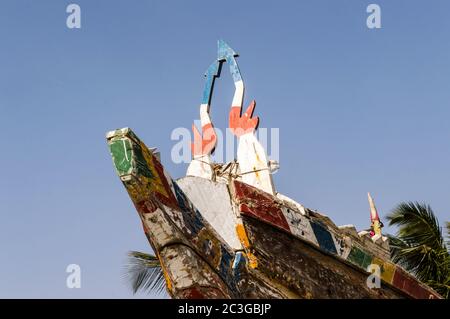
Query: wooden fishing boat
[[224, 232]]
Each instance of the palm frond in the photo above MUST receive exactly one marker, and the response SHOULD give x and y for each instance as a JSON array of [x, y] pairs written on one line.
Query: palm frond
[[448, 236], [419, 245], [143, 271], [417, 224], [398, 246]]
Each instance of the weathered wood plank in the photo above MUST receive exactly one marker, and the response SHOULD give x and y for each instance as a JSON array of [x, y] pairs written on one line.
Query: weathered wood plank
[[306, 271]]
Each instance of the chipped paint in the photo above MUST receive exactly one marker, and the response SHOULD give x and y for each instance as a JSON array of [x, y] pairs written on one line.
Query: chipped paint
[[170, 219], [233, 236], [167, 214]]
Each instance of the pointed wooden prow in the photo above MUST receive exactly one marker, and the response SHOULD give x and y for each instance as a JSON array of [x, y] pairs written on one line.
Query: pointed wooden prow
[[375, 219]]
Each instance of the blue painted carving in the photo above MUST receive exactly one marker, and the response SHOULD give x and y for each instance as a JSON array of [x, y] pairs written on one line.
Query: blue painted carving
[[211, 74], [226, 53], [324, 238]]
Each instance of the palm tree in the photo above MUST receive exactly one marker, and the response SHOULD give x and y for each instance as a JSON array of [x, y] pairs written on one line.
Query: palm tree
[[143, 271], [419, 245]]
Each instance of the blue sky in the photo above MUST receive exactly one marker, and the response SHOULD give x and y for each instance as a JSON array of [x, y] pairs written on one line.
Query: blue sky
[[358, 110]]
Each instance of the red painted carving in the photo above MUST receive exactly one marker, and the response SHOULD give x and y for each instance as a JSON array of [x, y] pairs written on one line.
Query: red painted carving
[[203, 145], [167, 199], [255, 203], [240, 125], [146, 207]]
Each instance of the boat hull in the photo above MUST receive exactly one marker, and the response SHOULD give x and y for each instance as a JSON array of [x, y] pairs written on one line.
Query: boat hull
[[244, 243], [306, 271]]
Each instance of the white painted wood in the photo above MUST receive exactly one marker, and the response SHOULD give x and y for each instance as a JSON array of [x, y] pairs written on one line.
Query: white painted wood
[[201, 167], [299, 225], [289, 200], [186, 268], [238, 97], [213, 201], [253, 163], [204, 115]]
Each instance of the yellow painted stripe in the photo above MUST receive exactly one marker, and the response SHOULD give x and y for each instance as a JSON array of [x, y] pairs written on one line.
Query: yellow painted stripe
[[387, 269], [242, 235]]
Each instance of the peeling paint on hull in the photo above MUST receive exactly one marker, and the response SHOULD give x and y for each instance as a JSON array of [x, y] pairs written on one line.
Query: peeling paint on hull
[[170, 219], [304, 270], [278, 249]]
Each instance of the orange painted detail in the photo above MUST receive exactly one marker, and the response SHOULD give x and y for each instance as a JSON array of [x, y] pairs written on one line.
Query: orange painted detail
[[242, 235], [252, 261], [166, 275], [203, 144], [240, 125]]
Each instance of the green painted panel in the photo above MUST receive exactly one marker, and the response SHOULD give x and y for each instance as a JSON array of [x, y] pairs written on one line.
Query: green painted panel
[[142, 167], [359, 257], [367, 261], [121, 151], [356, 256]]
